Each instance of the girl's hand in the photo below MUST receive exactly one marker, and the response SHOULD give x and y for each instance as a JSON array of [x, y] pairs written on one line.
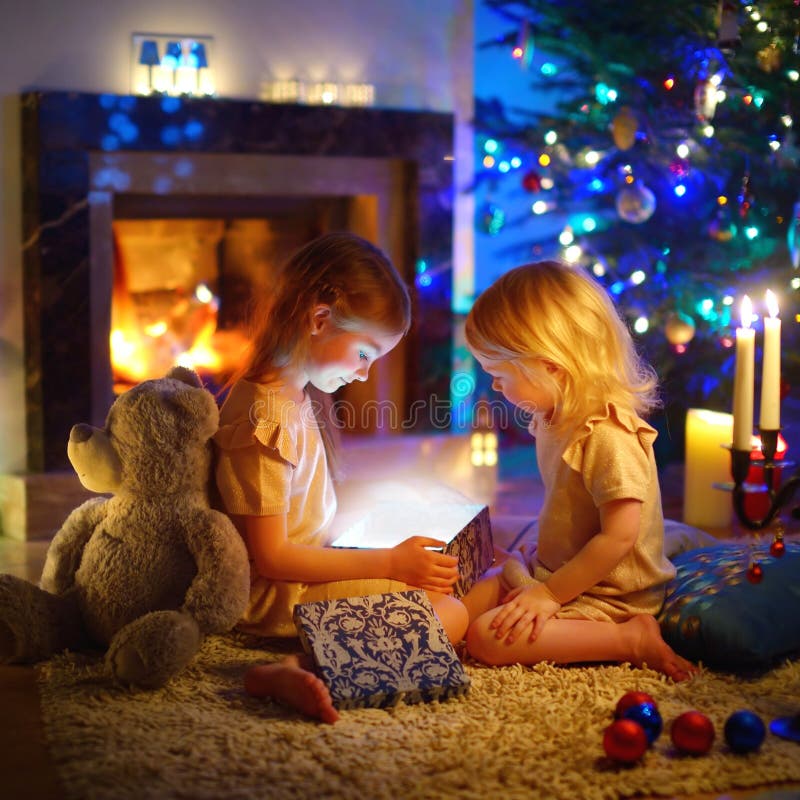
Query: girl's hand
[[523, 608], [413, 564]]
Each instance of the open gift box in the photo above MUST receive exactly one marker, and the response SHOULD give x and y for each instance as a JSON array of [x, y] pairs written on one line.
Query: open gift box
[[464, 527]]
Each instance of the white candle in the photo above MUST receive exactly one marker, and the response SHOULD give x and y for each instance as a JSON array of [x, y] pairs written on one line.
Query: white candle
[[707, 462], [743, 380], [770, 418]]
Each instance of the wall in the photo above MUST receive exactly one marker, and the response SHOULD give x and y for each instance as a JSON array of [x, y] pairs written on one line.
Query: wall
[[418, 55]]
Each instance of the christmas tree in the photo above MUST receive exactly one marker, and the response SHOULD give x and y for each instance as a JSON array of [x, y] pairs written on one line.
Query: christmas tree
[[670, 156]]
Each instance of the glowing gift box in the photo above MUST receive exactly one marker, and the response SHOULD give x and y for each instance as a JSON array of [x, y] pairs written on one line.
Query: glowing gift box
[[381, 649], [465, 528]]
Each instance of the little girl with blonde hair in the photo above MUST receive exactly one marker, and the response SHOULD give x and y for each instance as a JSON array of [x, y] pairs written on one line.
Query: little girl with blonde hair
[[339, 305], [555, 346]]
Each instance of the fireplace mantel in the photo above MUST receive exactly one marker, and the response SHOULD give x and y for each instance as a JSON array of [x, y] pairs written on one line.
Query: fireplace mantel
[[65, 136]]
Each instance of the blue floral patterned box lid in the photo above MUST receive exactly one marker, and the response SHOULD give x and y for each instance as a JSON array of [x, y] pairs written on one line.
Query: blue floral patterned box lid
[[379, 650]]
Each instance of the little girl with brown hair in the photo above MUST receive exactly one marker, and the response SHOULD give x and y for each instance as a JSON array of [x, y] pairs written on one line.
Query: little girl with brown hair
[[339, 305]]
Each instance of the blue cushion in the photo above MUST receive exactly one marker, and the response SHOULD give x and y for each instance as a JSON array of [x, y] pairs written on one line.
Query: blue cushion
[[714, 614]]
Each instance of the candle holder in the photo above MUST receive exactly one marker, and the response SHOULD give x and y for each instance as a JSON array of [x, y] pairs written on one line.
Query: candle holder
[[740, 467], [784, 727]]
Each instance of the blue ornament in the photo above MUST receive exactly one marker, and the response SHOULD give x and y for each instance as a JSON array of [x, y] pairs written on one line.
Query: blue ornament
[[744, 731], [646, 714], [636, 203], [793, 236]]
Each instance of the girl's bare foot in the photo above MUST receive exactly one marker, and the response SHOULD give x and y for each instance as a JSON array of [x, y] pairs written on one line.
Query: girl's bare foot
[[651, 650], [292, 682]]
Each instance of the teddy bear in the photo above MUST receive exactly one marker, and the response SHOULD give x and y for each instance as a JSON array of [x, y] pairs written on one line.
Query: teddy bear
[[146, 573]]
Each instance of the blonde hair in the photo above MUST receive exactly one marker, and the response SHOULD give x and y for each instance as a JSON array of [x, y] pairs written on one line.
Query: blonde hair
[[351, 276], [553, 313]]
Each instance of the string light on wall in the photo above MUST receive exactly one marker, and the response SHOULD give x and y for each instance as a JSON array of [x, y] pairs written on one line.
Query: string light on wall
[[172, 65]]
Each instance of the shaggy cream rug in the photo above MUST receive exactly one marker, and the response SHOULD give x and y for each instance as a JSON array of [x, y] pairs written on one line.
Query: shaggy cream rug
[[518, 733]]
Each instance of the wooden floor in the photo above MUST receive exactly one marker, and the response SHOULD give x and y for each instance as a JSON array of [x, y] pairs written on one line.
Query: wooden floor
[[25, 768], [26, 772]]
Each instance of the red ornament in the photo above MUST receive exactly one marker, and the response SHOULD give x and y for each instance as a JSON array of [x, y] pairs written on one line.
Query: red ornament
[[625, 740], [693, 733], [532, 182], [777, 548], [755, 574], [630, 699]]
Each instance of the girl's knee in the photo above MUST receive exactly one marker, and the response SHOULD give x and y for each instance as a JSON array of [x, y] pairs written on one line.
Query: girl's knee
[[482, 644], [452, 614]]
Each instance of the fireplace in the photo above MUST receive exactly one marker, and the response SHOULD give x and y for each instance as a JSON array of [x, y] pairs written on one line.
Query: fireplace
[[100, 172]]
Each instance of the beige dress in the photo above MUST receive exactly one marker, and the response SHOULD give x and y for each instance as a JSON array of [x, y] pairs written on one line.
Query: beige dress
[[610, 457], [270, 459]]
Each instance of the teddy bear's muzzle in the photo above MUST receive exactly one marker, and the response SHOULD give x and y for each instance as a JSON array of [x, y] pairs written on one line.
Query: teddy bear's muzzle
[[80, 433]]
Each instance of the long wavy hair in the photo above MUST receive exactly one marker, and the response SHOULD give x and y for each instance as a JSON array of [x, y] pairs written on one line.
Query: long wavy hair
[[359, 284], [551, 312]]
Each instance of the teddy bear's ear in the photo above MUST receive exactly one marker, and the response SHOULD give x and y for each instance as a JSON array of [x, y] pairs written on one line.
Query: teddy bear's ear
[[185, 375], [195, 409]]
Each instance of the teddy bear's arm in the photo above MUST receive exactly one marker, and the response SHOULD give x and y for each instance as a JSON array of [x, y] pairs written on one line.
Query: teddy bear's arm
[[66, 550], [218, 596]]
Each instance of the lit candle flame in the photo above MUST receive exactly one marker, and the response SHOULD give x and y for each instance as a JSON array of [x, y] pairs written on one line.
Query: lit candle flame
[[772, 303], [747, 312]]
